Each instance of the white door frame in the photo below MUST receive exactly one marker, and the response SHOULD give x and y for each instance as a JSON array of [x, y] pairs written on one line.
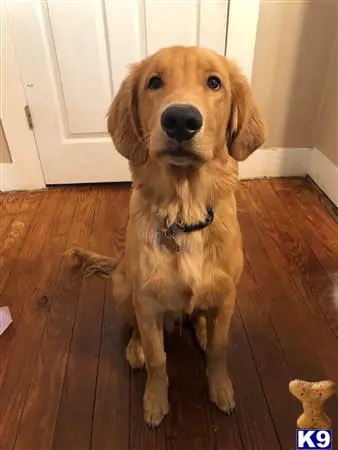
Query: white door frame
[[25, 170], [241, 33]]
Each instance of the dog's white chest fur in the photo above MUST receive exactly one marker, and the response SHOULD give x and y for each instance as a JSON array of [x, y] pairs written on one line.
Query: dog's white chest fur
[[175, 276], [173, 268]]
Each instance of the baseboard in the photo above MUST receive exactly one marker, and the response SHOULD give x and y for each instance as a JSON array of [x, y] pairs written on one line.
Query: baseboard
[[264, 163], [276, 162], [325, 174]]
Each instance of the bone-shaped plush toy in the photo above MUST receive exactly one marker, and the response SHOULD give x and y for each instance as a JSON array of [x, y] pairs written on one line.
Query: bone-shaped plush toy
[[313, 396]]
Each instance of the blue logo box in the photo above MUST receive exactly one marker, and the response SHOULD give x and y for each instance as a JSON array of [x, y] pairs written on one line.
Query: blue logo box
[[313, 439]]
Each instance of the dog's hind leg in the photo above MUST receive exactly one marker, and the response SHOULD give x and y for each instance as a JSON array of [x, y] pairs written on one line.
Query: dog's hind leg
[[200, 325], [134, 351]]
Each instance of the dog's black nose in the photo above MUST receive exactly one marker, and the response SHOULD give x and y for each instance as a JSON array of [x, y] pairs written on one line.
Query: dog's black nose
[[181, 122]]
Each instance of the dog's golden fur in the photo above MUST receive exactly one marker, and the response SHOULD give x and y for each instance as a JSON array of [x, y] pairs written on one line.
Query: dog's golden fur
[[201, 278]]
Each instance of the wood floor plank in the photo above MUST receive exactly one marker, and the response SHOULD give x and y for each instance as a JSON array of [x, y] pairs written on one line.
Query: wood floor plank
[[10, 203], [297, 280], [39, 417], [111, 413], [304, 342], [286, 311], [15, 294], [12, 207], [317, 226], [9, 207], [6, 203], [3, 196], [33, 247], [187, 389], [306, 273], [267, 350], [77, 397], [190, 401], [74, 420], [323, 205], [251, 404], [112, 404], [29, 306], [19, 220], [192, 414], [193, 443], [64, 381]]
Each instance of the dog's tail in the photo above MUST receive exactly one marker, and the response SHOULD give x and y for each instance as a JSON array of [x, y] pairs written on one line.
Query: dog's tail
[[89, 263]]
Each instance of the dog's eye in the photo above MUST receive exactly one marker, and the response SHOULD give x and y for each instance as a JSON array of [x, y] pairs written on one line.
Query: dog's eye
[[155, 83], [214, 83]]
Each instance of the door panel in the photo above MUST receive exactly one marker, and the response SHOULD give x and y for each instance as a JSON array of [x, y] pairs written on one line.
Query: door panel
[[166, 26], [21, 169], [81, 59], [81, 53], [126, 35], [213, 22]]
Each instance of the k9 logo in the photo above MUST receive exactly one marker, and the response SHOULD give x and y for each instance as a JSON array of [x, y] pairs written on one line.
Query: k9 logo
[[314, 439]]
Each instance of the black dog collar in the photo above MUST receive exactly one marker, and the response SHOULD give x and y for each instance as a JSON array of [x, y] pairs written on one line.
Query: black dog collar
[[167, 235], [178, 225]]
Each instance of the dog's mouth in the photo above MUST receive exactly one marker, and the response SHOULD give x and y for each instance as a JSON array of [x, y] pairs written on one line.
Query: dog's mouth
[[181, 155]]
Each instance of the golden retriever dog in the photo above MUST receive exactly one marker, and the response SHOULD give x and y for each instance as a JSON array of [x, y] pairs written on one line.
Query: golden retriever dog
[[183, 118]]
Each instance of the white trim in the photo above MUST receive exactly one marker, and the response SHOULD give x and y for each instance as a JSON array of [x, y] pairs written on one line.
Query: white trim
[[277, 162], [325, 174], [24, 172], [293, 162], [241, 33]]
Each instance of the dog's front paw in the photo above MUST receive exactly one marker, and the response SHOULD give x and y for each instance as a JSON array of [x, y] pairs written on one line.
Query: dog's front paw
[[221, 393], [155, 403]]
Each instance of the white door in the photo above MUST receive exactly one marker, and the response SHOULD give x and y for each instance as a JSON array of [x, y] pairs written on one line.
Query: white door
[[73, 56], [20, 167]]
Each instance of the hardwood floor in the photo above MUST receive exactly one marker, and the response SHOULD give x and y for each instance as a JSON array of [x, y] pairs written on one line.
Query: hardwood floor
[[64, 382]]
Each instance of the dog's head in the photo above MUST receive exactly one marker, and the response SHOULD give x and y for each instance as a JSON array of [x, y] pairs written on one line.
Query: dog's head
[[184, 105]]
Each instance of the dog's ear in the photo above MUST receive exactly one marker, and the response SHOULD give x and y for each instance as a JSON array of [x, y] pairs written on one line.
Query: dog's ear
[[246, 129], [123, 119]]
